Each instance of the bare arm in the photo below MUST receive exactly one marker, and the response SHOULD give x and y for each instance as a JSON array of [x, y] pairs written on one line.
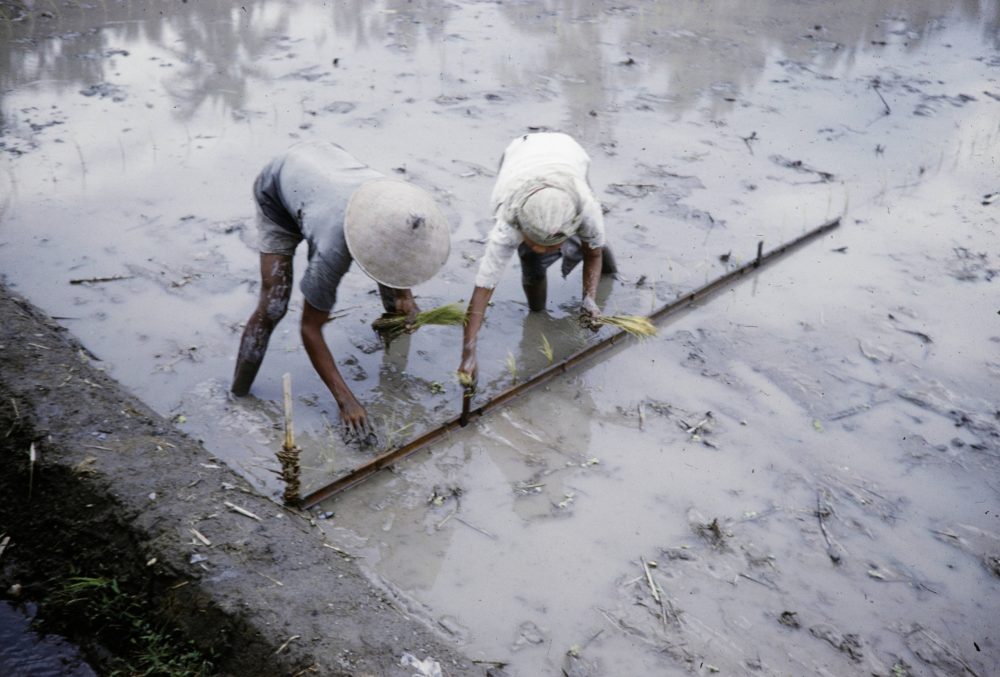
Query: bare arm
[[592, 261], [351, 412], [474, 320]]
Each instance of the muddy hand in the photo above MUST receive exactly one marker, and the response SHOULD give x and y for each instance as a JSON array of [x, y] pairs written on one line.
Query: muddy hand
[[589, 314], [468, 372], [408, 306], [355, 419]]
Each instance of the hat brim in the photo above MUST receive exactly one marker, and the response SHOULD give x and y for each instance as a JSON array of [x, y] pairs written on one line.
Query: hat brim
[[396, 233]]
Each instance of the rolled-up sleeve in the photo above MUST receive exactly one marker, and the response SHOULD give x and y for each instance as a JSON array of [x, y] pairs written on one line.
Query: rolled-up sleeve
[[500, 247], [591, 221], [322, 277]]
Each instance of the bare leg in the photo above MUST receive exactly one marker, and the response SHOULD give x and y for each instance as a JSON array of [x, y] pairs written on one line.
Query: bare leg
[[388, 296], [535, 291], [275, 290], [533, 275]]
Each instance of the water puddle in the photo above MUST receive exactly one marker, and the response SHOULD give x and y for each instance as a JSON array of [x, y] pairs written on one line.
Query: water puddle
[[796, 478], [23, 652]]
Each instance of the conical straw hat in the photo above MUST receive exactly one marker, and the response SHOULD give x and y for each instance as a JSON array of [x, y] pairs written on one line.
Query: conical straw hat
[[396, 232]]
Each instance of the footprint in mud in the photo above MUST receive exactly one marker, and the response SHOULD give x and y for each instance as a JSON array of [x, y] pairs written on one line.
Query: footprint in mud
[[211, 405], [106, 90], [979, 543], [528, 634], [930, 105], [849, 643], [968, 266], [935, 652]]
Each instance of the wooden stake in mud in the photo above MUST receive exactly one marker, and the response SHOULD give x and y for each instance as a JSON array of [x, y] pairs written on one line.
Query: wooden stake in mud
[[468, 392], [289, 454]]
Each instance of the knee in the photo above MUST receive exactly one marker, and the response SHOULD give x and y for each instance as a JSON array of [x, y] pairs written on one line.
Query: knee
[[533, 278], [275, 308], [273, 304]]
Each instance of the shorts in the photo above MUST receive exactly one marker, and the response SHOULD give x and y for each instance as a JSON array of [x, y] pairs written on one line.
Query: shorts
[[533, 266], [274, 239]]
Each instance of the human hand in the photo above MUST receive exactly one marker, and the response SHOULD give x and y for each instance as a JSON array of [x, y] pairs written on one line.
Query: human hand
[[354, 417], [468, 371], [407, 305], [590, 313]]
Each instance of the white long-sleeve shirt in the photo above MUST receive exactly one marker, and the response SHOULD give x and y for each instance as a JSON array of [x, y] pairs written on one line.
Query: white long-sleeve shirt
[[529, 158]]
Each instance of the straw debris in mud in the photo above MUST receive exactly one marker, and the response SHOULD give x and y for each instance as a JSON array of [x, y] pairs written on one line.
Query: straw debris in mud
[[391, 326]]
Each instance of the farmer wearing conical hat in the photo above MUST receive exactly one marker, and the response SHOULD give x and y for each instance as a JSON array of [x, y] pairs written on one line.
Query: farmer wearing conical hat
[[345, 211], [544, 209]]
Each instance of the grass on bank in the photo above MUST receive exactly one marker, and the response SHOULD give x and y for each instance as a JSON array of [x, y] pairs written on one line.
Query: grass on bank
[[118, 621]]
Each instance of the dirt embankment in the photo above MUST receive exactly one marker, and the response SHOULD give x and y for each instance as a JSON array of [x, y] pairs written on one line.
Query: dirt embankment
[[115, 494]]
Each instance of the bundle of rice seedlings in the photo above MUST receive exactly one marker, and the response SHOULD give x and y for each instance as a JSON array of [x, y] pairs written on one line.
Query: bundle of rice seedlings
[[448, 315], [636, 325], [466, 380]]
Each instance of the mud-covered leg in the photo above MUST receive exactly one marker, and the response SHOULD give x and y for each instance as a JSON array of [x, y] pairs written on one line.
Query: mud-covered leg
[[275, 290]]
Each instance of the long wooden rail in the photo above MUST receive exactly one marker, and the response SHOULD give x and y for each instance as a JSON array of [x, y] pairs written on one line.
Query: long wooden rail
[[369, 468]]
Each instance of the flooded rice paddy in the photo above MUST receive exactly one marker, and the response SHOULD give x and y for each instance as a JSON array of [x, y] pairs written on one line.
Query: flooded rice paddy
[[799, 476]]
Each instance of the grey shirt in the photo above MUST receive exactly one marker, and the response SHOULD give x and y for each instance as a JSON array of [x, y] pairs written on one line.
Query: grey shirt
[[305, 191]]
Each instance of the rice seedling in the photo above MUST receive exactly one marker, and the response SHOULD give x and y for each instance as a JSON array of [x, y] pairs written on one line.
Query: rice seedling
[[546, 349], [636, 325], [512, 365], [466, 380], [395, 433], [391, 326]]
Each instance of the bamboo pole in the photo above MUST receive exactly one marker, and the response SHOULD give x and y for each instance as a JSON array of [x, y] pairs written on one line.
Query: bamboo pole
[[289, 454]]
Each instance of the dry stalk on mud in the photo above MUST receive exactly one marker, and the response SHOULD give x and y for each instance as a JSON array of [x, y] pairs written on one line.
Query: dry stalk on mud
[[242, 511], [823, 511], [96, 280], [653, 588]]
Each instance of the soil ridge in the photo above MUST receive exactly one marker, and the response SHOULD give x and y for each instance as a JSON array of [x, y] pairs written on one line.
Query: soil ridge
[[116, 491]]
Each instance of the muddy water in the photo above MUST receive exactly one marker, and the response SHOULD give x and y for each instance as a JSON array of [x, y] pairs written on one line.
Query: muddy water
[[22, 652], [807, 465]]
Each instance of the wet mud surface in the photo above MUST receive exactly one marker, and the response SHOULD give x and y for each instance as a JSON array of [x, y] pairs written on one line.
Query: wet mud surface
[[798, 476], [125, 535]]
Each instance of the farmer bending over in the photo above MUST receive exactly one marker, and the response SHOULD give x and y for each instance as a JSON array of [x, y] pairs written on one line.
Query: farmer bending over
[[345, 211], [545, 210]]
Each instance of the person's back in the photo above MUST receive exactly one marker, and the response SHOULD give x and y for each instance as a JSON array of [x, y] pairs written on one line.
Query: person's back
[[538, 155]]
